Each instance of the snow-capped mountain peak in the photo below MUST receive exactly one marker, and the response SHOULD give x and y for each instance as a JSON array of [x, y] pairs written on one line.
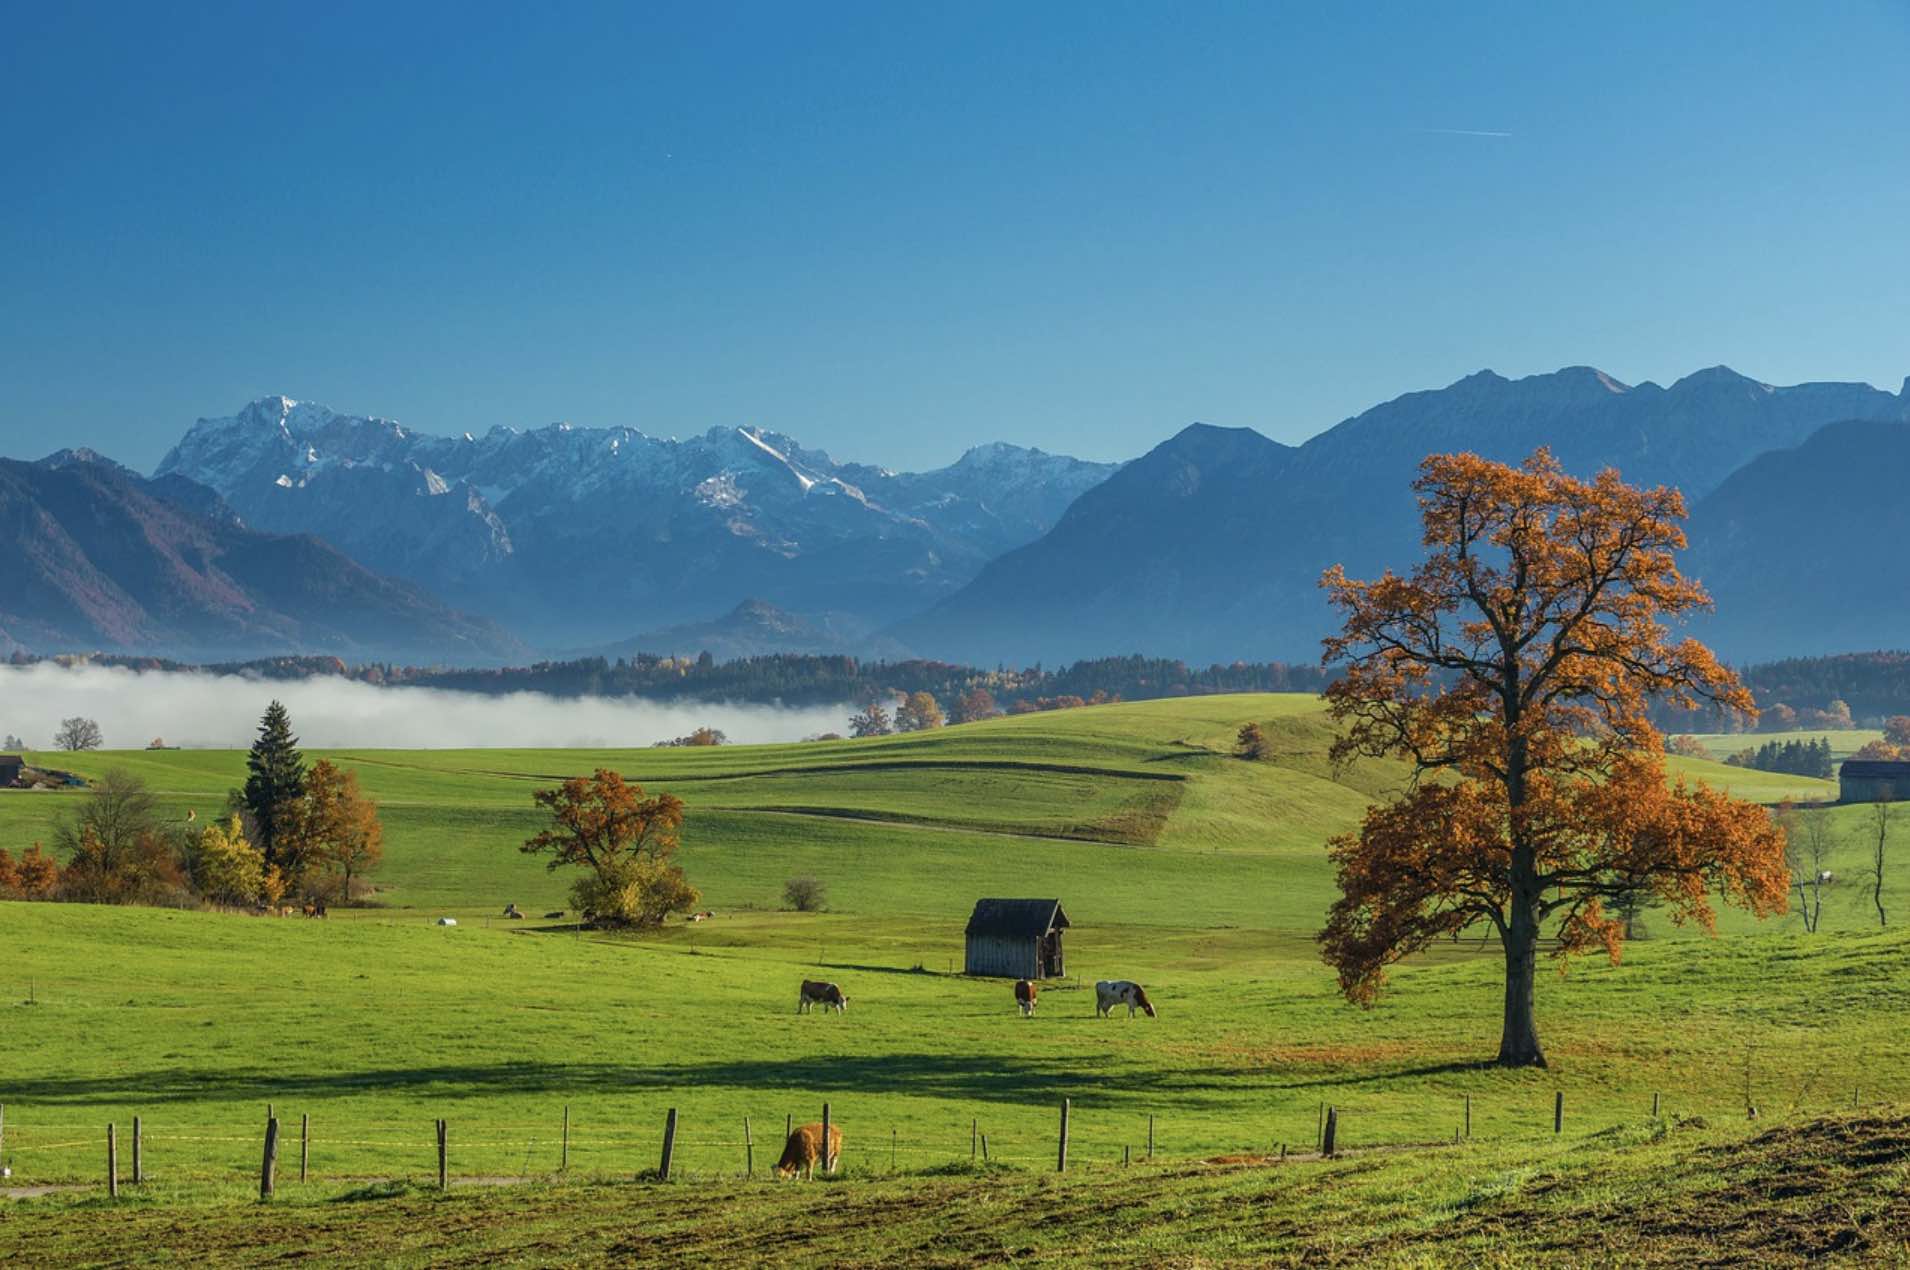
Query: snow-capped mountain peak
[[536, 515]]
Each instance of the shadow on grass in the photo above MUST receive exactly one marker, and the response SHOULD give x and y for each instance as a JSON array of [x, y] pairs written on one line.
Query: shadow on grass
[[993, 1078]]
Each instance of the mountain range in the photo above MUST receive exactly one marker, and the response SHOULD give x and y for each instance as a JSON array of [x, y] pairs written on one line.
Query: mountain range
[[1211, 546], [577, 535], [99, 558], [291, 527]]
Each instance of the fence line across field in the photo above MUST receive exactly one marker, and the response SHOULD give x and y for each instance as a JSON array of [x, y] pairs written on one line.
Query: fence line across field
[[686, 1147]]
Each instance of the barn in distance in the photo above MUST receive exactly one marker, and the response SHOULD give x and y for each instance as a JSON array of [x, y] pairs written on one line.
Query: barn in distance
[[1873, 781], [1016, 939]]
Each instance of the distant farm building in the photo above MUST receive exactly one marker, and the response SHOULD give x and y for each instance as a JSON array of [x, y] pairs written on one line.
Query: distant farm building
[[11, 765], [1016, 939], [1870, 781]]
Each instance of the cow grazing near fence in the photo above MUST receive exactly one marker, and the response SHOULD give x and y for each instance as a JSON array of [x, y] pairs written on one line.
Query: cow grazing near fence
[[1109, 993], [827, 995], [803, 1151], [1025, 994]]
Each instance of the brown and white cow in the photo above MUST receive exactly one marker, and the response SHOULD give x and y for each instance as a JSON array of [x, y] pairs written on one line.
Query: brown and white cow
[[827, 995], [803, 1151], [1109, 993], [1025, 994]]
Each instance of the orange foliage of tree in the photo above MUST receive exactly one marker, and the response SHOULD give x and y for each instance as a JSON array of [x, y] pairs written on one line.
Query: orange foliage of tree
[[626, 839], [1512, 669], [338, 826]]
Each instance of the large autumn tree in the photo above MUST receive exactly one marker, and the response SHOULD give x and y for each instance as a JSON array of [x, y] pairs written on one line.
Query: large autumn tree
[[1512, 669], [628, 841]]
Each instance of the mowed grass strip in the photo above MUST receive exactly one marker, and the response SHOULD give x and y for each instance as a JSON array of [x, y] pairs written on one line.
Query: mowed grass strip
[[1670, 1193]]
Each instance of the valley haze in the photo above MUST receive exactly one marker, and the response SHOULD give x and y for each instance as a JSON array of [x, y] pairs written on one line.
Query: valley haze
[[199, 710]]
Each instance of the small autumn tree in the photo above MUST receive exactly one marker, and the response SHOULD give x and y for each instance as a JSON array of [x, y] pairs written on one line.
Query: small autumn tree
[[1511, 670], [919, 712], [872, 720], [627, 840], [338, 833], [38, 875], [973, 706], [226, 869], [1896, 730], [1251, 744]]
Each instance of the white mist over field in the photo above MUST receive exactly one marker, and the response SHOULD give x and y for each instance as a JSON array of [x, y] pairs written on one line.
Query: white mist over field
[[198, 710]]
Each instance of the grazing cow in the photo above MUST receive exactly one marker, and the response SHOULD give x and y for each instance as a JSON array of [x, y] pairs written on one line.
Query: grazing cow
[[1109, 993], [824, 994], [1025, 994], [803, 1151], [511, 911], [554, 913]]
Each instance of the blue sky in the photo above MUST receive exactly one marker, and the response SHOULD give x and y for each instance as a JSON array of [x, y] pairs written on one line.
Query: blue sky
[[893, 231]]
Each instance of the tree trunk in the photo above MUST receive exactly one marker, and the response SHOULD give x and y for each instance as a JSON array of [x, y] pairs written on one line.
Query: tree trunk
[[1519, 1041]]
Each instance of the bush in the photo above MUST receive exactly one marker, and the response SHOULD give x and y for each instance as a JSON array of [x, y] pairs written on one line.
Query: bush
[[635, 890], [805, 895]]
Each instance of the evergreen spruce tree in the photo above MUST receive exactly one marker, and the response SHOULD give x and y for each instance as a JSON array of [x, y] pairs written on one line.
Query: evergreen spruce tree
[[277, 780]]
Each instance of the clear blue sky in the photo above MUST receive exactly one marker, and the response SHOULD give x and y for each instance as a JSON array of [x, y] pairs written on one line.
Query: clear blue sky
[[896, 230]]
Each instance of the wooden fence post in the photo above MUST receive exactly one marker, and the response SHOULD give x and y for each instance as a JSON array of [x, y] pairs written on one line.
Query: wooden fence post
[[1127, 1156], [444, 1156], [1061, 1159], [974, 1133], [1558, 1112], [139, 1171], [1331, 1132], [1150, 1136], [891, 1148], [1654, 1104], [828, 1157], [268, 1163], [984, 1148], [304, 1142], [3, 1132], [564, 1163], [1468, 1115], [749, 1151], [669, 1145], [112, 1161]]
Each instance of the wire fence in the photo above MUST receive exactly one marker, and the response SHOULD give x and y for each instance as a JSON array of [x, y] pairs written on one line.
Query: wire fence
[[63, 1150]]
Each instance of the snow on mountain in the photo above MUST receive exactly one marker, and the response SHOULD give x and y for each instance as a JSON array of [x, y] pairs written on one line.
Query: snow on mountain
[[573, 533]]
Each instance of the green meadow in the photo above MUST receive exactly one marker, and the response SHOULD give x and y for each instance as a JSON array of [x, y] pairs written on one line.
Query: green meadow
[[1197, 873]]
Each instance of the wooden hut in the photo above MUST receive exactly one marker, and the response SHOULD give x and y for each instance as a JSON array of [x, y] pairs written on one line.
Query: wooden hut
[[1016, 939], [1872, 781]]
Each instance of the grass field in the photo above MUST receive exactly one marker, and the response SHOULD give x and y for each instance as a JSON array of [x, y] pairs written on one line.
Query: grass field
[[1197, 873]]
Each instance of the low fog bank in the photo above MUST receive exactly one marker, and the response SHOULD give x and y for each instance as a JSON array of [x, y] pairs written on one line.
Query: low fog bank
[[204, 711]]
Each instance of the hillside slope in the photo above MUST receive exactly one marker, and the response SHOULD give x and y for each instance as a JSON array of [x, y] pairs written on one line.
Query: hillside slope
[[99, 559], [1803, 548]]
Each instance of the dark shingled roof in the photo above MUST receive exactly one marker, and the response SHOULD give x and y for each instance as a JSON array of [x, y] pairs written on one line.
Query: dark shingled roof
[[1029, 919], [1875, 769]]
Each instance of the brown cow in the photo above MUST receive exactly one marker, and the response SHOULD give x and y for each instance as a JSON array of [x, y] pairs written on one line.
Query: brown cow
[[827, 995], [1025, 994], [803, 1151]]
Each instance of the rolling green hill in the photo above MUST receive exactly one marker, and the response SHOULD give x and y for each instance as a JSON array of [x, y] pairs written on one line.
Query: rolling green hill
[[1198, 873]]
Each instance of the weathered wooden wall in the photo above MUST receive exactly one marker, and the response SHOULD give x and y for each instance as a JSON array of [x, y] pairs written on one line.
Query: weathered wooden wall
[[1002, 957], [1868, 789]]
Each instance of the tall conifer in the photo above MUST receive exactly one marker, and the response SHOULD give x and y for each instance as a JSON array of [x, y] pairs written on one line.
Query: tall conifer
[[276, 782]]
